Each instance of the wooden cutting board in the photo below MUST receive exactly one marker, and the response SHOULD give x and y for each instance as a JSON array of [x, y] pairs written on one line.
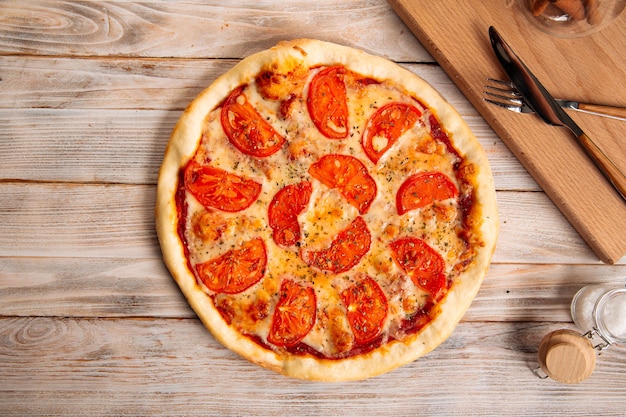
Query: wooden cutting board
[[591, 68]]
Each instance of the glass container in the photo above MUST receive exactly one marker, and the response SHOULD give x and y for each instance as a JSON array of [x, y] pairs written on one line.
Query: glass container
[[601, 310], [571, 18], [568, 356]]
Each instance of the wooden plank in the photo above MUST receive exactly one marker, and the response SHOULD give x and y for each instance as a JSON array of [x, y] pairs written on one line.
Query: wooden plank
[[101, 146], [89, 287], [195, 29], [122, 287], [131, 83], [174, 367], [106, 83], [550, 154], [68, 220], [537, 293], [95, 220]]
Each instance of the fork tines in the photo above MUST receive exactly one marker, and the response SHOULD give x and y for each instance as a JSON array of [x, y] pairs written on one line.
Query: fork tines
[[503, 90], [502, 85], [503, 94]]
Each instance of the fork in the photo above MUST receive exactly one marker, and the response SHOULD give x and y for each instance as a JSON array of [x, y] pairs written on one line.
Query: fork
[[504, 94]]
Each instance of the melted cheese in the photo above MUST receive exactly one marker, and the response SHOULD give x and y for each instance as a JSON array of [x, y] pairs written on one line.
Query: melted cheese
[[327, 212]]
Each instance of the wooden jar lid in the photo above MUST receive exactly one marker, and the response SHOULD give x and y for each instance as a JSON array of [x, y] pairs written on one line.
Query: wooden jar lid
[[566, 356]]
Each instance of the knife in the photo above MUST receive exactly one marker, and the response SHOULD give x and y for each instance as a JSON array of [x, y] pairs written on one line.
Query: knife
[[546, 106]]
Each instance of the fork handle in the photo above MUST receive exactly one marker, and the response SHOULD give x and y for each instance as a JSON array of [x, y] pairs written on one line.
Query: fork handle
[[608, 110], [608, 168]]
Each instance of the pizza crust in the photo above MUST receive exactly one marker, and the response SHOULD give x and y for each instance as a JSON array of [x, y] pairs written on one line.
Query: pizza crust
[[183, 144]]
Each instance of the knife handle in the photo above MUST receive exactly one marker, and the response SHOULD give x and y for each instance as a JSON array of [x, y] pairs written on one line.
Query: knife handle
[[608, 110], [608, 168]]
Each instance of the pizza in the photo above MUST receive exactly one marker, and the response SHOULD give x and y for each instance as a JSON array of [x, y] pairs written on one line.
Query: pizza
[[325, 212]]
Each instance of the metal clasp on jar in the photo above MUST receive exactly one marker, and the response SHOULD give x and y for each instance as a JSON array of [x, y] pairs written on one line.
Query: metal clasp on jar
[[593, 335]]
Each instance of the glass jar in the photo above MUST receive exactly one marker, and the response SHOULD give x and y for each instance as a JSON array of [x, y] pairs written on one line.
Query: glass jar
[[601, 310], [570, 357], [571, 18]]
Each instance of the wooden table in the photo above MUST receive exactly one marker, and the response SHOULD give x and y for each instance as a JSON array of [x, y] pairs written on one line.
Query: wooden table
[[91, 323]]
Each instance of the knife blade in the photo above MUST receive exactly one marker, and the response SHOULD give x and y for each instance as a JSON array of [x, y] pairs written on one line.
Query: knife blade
[[546, 106]]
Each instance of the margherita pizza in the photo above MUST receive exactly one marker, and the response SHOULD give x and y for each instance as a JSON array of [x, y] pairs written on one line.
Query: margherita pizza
[[326, 213]]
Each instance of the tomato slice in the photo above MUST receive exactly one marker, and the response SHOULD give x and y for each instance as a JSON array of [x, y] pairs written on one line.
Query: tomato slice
[[236, 270], [284, 209], [327, 102], [422, 263], [385, 127], [345, 251], [366, 307], [246, 129], [348, 175], [422, 189], [294, 314], [214, 187]]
